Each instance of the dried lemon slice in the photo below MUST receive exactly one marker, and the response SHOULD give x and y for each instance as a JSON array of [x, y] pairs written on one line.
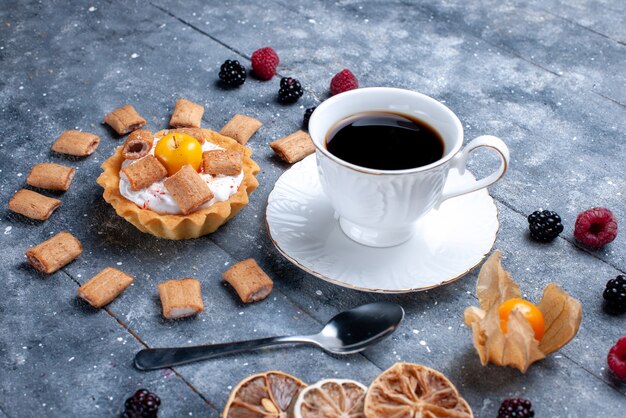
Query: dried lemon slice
[[331, 398], [263, 395], [409, 390]]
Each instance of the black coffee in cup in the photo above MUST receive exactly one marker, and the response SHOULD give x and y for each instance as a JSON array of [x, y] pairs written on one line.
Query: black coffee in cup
[[385, 141]]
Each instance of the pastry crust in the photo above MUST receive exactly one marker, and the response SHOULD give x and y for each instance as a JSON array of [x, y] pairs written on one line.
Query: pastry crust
[[124, 119], [249, 280], [193, 225], [294, 147], [55, 252], [76, 143], [241, 128], [188, 189], [104, 287], [144, 172], [51, 176], [181, 298], [137, 145], [33, 205], [187, 114], [224, 162]]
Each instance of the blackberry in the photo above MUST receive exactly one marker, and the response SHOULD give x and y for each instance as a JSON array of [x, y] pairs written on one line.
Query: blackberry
[[615, 295], [307, 116], [544, 225], [290, 90], [143, 404], [232, 73], [516, 408]]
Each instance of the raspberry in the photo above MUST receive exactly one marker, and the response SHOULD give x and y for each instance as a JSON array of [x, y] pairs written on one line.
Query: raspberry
[[516, 408], [343, 81], [307, 116], [615, 295], [617, 358], [595, 227], [232, 73], [544, 225], [264, 63], [143, 404], [290, 90]]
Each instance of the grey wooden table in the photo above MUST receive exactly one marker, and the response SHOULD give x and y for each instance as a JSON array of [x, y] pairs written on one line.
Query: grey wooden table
[[547, 76]]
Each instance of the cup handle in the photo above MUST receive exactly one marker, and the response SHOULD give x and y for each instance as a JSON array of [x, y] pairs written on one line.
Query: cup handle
[[459, 162]]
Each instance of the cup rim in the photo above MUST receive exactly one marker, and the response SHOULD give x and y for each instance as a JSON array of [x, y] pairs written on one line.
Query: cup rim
[[369, 90]]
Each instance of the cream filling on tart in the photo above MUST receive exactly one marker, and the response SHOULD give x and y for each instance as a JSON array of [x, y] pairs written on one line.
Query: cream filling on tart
[[157, 198]]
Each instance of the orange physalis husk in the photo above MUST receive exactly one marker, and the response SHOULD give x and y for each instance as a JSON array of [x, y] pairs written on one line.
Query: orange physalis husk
[[518, 347]]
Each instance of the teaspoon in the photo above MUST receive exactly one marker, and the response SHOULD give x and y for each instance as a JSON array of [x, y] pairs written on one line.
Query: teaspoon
[[348, 332]]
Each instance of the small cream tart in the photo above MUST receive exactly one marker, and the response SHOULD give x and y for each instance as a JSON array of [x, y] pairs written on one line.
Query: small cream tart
[[158, 199]]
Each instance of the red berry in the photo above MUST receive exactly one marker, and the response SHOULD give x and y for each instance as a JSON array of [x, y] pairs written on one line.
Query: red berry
[[264, 63], [595, 227], [343, 81], [617, 358]]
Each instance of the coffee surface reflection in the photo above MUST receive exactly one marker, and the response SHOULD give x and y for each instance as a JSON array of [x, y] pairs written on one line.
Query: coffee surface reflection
[[385, 141]]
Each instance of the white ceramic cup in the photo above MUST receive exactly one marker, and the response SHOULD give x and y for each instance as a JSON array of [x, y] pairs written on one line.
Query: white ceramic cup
[[379, 208]]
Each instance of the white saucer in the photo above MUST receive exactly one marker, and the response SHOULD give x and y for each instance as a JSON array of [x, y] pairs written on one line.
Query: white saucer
[[448, 242]]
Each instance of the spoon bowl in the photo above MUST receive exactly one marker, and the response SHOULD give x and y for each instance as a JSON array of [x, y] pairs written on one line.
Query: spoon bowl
[[348, 332], [356, 329]]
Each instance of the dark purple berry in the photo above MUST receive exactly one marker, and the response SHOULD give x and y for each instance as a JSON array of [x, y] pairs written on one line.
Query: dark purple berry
[[307, 117], [516, 408], [615, 295], [290, 90], [143, 404], [232, 73], [544, 225]]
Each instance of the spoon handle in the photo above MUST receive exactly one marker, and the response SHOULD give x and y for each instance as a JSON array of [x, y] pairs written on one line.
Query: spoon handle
[[157, 358]]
